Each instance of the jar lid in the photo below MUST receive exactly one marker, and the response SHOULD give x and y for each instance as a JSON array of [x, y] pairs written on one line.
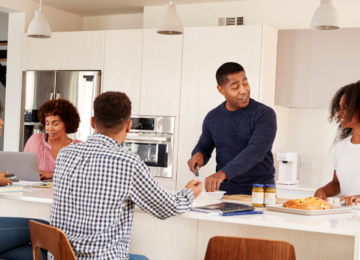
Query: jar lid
[[258, 185], [270, 185]]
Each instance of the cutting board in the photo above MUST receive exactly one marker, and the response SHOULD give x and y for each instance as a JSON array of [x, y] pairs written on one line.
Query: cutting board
[[248, 198]]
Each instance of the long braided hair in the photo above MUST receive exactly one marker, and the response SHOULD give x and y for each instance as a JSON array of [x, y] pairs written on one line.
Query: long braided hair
[[352, 105]]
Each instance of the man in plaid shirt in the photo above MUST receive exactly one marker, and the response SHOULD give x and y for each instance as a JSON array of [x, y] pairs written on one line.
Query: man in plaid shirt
[[97, 184]]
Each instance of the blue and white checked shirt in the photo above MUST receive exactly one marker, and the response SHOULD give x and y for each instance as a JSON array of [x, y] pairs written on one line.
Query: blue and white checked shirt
[[96, 187]]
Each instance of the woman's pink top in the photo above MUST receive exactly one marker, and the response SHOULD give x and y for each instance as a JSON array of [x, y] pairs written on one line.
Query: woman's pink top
[[37, 144]]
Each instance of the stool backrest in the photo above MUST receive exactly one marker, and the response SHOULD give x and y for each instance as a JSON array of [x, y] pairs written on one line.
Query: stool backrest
[[237, 248], [51, 239]]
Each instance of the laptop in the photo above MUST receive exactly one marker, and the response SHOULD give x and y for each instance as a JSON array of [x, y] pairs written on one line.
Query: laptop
[[23, 165]]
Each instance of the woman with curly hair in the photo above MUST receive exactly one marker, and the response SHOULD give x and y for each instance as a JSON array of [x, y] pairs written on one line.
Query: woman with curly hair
[[59, 117], [345, 110]]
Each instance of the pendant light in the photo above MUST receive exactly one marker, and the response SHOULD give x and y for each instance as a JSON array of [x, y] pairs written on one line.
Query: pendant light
[[326, 17], [39, 27], [170, 23]]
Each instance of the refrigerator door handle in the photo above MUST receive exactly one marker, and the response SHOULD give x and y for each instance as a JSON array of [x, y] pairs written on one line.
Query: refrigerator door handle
[[58, 96], [51, 96]]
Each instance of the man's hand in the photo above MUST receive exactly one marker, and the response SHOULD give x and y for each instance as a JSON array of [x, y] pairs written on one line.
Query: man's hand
[[198, 159], [349, 200], [321, 195], [196, 187], [212, 183], [46, 175], [3, 180]]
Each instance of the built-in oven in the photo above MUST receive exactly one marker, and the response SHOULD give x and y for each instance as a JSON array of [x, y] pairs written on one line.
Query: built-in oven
[[152, 138]]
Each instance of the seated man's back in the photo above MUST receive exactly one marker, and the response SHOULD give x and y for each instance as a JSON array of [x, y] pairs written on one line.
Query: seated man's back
[[96, 187]]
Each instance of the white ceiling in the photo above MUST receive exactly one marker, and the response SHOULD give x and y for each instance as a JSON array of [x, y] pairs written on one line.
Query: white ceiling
[[108, 7]]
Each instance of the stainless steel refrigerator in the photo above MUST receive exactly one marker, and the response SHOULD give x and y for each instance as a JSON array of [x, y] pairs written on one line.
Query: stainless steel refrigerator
[[79, 87]]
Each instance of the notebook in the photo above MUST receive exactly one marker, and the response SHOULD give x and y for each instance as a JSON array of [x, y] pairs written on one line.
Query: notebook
[[11, 188], [222, 208]]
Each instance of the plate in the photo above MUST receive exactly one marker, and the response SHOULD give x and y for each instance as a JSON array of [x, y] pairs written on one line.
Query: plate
[[334, 210]]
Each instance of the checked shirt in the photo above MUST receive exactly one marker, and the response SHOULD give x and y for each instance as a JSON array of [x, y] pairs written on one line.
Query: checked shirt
[[96, 187]]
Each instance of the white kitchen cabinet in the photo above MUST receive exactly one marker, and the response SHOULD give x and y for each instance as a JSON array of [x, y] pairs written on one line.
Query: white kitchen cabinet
[[161, 74], [66, 51], [122, 64], [204, 51]]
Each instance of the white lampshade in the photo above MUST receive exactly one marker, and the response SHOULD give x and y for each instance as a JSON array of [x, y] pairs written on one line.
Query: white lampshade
[[170, 23], [326, 17], [39, 27]]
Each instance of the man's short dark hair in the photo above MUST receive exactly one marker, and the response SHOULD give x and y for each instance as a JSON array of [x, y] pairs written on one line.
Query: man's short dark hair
[[226, 69], [112, 111]]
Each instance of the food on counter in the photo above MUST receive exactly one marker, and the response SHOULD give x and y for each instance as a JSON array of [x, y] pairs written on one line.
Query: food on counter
[[270, 194], [312, 203], [258, 195]]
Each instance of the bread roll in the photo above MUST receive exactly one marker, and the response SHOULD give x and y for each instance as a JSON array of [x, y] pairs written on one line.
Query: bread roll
[[312, 203]]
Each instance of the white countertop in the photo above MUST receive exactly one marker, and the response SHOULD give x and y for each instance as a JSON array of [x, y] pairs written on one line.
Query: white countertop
[[342, 224], [299, 187]]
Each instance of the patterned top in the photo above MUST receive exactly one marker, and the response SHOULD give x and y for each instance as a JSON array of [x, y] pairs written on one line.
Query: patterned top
[[96, 187], [37, 144]]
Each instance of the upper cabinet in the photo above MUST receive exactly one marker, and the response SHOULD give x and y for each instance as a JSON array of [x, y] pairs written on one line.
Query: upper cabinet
[[66, 51], [205, 50], [122, 64], [161, 74], [313, 65]]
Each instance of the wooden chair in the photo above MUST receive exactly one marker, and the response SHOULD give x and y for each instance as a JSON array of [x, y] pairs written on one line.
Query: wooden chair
[[52, 239], [237, 248]]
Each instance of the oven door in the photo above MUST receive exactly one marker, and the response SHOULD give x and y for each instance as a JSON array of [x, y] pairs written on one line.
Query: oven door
[[156, 151]]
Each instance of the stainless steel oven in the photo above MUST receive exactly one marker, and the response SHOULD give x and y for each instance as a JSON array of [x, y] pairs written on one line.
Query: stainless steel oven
[[152, 138]]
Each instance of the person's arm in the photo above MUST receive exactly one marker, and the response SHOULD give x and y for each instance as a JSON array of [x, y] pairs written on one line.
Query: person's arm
[[203, 149], [259, 144], [148, 195], [329, 190]]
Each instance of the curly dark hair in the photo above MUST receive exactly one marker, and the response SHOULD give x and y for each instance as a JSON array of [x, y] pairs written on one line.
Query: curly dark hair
[[112, 111], [352, 105], [64, 109], [226, 69]]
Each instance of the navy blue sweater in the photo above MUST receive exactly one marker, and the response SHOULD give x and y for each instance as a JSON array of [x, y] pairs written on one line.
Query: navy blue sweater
[[243, 140]]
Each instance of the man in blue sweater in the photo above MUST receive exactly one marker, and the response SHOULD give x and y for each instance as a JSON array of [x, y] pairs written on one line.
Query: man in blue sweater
[[243, 131]]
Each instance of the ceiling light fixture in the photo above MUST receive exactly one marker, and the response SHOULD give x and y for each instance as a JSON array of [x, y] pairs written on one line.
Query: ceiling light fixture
[[39, 27], [326, 17], [170, 23]]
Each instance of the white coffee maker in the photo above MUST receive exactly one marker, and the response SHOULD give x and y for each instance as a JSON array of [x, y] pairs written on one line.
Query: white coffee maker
[[289, 166]]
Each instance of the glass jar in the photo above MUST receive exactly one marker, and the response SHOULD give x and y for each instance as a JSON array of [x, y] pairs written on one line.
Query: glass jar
[[258, 195], [270, 194]]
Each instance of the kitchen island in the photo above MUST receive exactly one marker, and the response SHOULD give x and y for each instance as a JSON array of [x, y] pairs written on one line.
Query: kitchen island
[[186, 236]]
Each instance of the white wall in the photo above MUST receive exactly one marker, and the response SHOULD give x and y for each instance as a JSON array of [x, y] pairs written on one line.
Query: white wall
[[113, 22], [310, 133], [280, 14]]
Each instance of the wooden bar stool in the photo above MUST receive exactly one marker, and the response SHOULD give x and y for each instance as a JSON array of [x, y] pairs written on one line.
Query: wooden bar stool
[[51, 239], [237, 248]]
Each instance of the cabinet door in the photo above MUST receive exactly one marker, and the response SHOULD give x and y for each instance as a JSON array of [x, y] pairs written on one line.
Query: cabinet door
[[66, 51], [79, 50], [122, 65], [161, 74], [205, 50]]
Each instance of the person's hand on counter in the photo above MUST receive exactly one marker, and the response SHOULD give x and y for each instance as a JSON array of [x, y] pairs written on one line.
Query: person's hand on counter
[[212, 183], [349, 200], [321, 195], [46, 175], [198, 159], [196, 187], [3, 180]]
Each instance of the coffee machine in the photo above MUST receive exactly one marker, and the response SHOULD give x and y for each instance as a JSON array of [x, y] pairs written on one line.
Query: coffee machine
[[289, 166]]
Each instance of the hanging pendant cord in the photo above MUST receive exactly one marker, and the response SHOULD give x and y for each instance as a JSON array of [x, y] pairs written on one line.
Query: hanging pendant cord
[[40, 5]]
